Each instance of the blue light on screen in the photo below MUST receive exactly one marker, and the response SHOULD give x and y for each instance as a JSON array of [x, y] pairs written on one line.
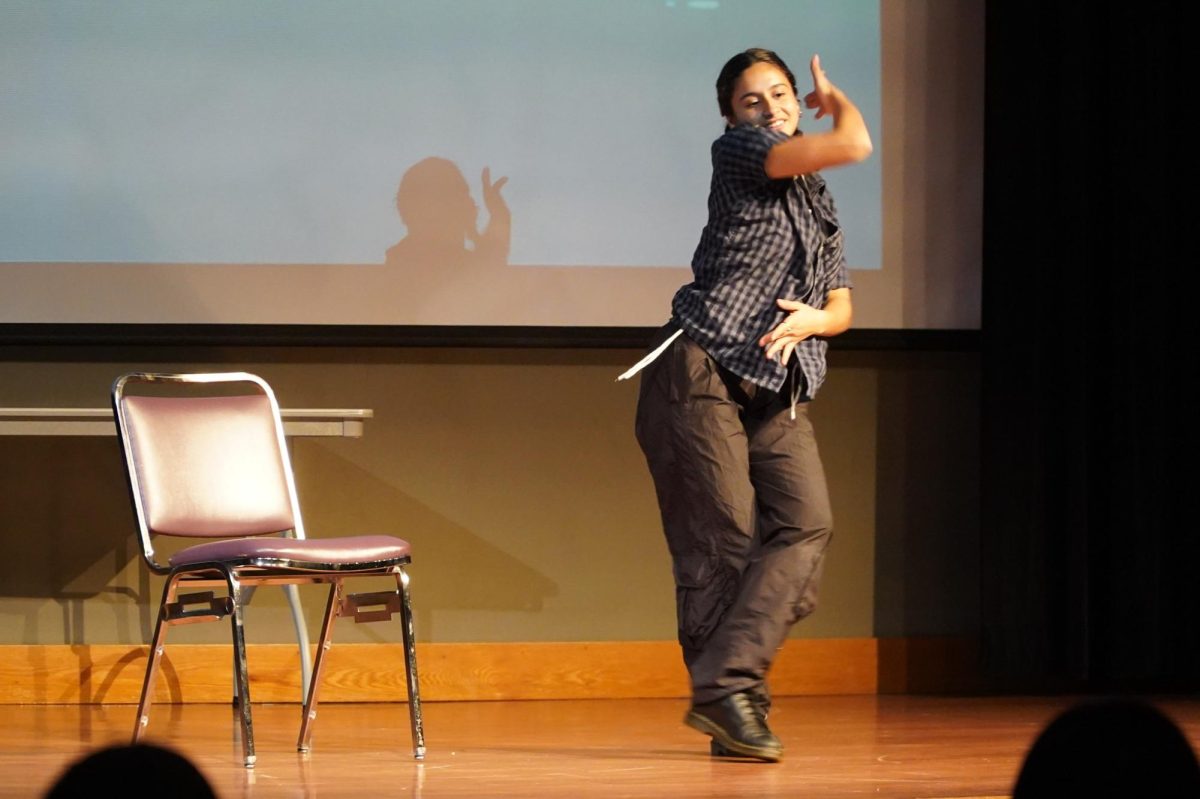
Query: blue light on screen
[[163, 131]]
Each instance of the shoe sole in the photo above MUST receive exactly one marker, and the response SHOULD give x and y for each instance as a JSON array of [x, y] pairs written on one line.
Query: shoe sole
[[698, 722]]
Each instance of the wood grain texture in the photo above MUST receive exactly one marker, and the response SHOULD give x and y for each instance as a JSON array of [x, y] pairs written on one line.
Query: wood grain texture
[[112, 674], [891, 747]]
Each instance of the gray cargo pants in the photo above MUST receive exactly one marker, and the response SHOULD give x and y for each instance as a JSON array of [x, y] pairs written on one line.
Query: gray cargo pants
[[745, 510]]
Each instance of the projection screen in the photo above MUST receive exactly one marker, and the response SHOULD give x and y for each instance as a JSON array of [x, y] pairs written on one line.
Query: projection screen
[[478, 163]]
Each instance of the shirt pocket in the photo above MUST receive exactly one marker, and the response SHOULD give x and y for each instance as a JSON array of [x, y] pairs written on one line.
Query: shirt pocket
[[831, 258]]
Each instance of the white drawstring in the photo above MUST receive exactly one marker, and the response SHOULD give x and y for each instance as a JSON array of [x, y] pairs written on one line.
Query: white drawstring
[[637, 367], [795, 385]]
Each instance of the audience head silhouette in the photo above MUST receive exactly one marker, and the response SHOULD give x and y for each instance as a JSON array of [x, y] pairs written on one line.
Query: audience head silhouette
[[1110, 748], [133, 770]]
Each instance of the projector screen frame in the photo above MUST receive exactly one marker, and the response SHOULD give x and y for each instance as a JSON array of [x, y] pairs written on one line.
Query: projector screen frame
[[927, 295], [21, 336]]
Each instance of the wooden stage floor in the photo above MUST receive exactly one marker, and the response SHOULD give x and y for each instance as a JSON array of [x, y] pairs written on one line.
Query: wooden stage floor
[[845, 746]]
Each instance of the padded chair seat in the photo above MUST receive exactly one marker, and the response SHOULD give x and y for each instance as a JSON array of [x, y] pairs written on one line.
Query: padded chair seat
[[334, 551]]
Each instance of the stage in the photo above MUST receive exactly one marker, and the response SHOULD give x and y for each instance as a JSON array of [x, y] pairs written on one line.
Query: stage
[[879, 746]]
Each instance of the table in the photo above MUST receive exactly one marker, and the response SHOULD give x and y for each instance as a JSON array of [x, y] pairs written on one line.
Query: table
[[343, 422]]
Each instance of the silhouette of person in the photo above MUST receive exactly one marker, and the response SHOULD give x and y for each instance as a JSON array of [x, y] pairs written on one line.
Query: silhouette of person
[[134, 770], [1110, 748], [439, 216]]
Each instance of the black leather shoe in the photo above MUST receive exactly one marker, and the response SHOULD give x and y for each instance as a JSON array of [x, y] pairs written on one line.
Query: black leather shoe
[[735, 724], [761, 700]]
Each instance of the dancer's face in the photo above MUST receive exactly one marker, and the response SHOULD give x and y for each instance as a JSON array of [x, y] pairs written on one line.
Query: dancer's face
[[763, 97]]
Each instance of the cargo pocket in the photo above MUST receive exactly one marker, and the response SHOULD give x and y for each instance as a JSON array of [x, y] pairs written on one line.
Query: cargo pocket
[[704, 590]]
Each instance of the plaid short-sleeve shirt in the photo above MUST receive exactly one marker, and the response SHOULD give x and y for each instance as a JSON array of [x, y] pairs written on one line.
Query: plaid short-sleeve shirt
[[766, 239]]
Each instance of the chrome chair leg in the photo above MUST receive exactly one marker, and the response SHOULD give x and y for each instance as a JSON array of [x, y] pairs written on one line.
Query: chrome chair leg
[[332, 609], [156, 650], [292, 593], [410, 666], [240, 672]]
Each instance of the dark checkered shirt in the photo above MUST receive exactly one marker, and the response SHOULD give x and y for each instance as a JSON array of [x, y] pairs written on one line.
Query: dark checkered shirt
[[766, 239]]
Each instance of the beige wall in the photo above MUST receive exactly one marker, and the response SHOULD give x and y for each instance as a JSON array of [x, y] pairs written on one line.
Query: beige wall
[[515, 474]]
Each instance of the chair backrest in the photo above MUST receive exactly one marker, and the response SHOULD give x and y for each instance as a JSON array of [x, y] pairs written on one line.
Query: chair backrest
[[204, 462]]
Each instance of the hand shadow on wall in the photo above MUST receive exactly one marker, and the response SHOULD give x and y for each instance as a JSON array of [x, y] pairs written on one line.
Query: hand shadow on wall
[[441, 221], [450, 270]]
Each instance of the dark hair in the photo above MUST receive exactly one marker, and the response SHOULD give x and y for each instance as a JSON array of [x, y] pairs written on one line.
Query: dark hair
[[1113, 747], [131, 770], [735, 66]]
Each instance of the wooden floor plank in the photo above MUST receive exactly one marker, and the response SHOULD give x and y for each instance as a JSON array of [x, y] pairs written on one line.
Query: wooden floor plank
[[841, 746]]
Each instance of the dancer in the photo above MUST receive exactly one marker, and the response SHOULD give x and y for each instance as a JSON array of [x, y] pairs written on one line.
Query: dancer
[[722, 409]]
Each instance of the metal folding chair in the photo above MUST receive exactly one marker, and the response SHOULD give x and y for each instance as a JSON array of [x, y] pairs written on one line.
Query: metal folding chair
[[206, 458]]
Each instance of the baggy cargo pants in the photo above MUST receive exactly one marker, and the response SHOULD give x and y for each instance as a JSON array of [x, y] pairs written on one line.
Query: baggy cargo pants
[[745, 510]]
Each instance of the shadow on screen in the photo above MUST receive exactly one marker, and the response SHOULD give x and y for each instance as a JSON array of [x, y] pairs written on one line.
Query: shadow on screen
[[441, 217], [451, 269]]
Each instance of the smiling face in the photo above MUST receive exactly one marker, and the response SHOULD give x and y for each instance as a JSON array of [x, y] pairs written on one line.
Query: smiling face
[[763, 96]]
